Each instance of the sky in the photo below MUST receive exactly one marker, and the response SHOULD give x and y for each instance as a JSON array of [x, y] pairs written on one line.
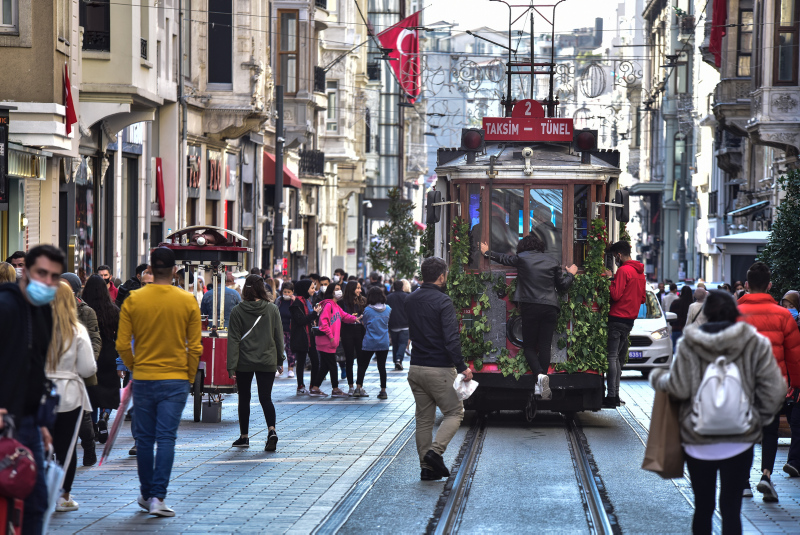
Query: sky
[[469, 14]]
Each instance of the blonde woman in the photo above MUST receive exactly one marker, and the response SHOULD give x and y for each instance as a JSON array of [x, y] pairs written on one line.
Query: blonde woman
[[7, 273], [70, 360]]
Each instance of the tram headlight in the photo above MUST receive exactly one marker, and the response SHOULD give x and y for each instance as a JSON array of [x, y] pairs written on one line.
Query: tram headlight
[[661, 333]]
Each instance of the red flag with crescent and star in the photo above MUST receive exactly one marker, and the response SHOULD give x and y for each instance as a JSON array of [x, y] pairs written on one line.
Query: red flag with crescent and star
[[403, 40], [70, 117]]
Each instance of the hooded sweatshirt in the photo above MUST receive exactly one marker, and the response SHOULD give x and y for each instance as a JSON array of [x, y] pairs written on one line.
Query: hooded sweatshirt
[[376, 323], [262, 349], [330, 323], [627, 292], [741, 344]]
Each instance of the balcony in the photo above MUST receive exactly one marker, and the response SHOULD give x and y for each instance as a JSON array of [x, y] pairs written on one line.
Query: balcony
[[321, 3], [374, 71], [97, 40], [312, 162], [775, 118], [143, 48], [732, 104], [686, 25], [319, 79]]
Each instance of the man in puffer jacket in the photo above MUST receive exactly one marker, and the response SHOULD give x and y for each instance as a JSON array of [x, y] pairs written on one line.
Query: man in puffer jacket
[[760, 310]]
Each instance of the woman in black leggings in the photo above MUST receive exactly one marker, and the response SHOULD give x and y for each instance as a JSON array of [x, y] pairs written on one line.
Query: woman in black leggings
[[255, 349], [352, 334], [304, 314]]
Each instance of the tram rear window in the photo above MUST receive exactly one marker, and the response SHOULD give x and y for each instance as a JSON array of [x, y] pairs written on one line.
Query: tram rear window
[[475, 227], [544, 218], [547, 220], [507, 220]]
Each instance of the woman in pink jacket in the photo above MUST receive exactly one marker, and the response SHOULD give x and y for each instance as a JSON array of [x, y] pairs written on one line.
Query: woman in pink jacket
[[330, 324]]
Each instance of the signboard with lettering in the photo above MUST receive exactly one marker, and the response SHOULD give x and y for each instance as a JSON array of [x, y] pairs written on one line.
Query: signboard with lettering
[[527, 123]]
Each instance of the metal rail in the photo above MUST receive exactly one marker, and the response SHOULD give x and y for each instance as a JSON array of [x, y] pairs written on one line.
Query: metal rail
[[456, 501], [598, 517]]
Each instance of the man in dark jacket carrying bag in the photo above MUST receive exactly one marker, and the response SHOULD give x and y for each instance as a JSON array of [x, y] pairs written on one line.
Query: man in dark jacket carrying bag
[[435, 361], [627, 296]]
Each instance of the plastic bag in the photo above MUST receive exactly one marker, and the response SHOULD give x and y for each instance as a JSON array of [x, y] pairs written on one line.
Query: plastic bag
[[464, 389]]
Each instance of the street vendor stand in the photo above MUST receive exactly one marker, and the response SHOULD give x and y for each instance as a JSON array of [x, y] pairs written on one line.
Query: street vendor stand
[[212, 250]]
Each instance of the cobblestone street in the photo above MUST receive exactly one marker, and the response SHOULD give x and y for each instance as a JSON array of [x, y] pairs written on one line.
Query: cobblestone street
[[347, 465]]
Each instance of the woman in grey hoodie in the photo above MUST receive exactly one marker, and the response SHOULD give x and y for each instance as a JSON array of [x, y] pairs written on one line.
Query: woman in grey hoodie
[[762, 383], [255, 348]]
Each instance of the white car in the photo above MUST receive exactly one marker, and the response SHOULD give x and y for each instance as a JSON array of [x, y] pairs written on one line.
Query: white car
[[651, 343]]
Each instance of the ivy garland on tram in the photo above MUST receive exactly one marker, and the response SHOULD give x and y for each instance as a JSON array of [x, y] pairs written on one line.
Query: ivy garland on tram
[[586, 304]]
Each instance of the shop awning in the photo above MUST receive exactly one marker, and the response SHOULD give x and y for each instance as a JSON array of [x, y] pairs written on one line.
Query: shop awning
[[747, 210], [646, 188], [290, 180]]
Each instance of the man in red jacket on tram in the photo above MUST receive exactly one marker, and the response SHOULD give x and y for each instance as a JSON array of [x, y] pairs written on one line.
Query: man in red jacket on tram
[[760, 310], [627, 296]]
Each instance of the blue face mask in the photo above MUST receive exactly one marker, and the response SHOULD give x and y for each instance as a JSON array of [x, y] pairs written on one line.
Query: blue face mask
[[39, 293]]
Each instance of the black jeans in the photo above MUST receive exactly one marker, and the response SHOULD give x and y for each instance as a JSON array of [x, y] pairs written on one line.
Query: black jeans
[[617, 349], [327, 363], [363, 364], [733, 475], [794, 422], [244, 381], [769, 443], [399, 345], [300, 368], [538, 326], [63, 431], [352, 338]]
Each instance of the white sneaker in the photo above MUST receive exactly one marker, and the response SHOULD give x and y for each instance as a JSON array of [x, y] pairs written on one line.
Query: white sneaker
[[144, 504], [747, 493], [159, 508], [64, 505], [291, 374], [277, 374], [537, 390], [544, 385]]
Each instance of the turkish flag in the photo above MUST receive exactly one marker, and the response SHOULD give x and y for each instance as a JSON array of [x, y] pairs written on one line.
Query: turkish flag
[[71, 118], [719, 19], [403, 39]]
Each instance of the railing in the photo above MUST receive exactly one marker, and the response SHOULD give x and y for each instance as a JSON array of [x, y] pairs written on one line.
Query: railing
[[374, 71], [319, 79], [97, 40], [712, 204], [312, 162], [143, 46], [321, 3], [687, 25], [729, 90]]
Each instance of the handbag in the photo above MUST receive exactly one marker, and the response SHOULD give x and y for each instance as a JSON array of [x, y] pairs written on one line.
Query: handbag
[[664, 452], [17, 465], [48, 406]]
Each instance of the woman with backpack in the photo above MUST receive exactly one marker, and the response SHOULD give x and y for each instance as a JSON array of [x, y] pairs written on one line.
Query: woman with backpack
[[255, 349], [376, 340], [717, 440], [331, 317]]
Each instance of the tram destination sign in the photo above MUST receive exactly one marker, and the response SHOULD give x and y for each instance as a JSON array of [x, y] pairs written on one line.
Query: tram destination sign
[[527, 123], [513, 129]]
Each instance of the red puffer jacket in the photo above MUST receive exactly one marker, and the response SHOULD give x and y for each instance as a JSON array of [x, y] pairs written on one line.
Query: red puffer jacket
[[776, 323], [627, 290]]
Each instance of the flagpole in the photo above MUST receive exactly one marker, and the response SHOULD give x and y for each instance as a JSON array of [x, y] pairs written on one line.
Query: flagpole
[[401, 114]]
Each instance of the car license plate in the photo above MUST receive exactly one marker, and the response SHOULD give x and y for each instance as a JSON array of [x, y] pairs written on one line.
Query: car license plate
[[635, 355]]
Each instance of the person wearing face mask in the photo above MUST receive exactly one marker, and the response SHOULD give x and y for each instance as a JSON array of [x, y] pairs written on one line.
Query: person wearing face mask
[[26, 328], [791, 302], [627, 295], [331, 317], [17, 260], [284, 302], [324, 282], [105, 272], [339, 275]]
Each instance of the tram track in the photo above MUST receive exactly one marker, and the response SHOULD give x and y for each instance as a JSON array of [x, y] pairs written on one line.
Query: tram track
[[452, 503]]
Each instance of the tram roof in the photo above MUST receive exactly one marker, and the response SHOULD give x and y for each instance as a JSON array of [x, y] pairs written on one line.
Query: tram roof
[[545, 155]]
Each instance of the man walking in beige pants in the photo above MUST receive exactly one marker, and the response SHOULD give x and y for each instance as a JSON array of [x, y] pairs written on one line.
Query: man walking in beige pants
[[435, 361]]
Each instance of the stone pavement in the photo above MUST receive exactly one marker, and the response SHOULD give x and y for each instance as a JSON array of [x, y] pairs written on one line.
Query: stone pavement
[[324, 446], [757, 516]]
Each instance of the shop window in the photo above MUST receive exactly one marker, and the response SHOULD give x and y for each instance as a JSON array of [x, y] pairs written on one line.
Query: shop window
[[745, 47], [288, 50], [784, 71], [220, 42]]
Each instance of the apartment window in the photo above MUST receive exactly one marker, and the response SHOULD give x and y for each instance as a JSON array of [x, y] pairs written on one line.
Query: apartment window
[[679, 154], [8, 22], [332, 114], [95, 18], [784, 70], [758, 22], [187, 39], [745, 43], [63, 19], [635, 131], [220, 43], [368, 132], [682, 74], [288, 50]]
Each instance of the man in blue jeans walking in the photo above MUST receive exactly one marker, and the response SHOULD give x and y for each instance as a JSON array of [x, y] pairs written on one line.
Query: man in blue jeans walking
[[164, 323]]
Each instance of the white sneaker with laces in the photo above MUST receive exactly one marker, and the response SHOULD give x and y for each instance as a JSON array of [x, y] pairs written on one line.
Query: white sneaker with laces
[[144, 504], [159, 508], [64, 505], [291, 374], [277, 374], [544, 386], [747, 493]]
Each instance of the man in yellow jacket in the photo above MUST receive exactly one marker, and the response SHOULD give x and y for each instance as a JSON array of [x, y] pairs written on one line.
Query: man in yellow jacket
[[163, 322]]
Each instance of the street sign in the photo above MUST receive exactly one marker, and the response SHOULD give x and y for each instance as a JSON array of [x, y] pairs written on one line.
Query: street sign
[[527, 123]]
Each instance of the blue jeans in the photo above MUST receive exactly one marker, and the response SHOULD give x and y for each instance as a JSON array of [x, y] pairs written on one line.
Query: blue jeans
[[675, 337], [399, 345], [156, 415], [36, 504]]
